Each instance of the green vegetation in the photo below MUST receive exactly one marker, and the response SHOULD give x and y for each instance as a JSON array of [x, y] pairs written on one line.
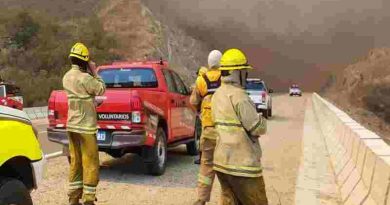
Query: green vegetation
[[34, 50]]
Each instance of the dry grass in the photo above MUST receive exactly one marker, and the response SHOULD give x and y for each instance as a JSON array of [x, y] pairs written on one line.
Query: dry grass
[[130, 24], [363, 91]]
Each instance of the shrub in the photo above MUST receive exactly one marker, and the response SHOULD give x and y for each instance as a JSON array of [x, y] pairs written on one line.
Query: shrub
[[378, 101], [35, 54]]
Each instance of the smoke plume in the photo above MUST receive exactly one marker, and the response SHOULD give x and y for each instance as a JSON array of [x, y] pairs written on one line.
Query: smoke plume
[[289, 41]]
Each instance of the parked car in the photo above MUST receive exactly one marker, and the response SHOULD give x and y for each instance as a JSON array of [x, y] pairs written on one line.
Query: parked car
[[260, 95], [295, 90], [145, 110], [21, 158], [10, 96]]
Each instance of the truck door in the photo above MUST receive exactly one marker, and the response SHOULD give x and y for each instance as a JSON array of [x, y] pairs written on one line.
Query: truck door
[[187, 115], [173, 106]]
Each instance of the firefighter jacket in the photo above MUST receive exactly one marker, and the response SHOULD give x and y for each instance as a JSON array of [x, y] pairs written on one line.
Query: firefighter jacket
[[205, 87], [81, 88], [239, 126]]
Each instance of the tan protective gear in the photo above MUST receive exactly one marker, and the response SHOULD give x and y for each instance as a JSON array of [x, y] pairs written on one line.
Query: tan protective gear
[[234, 59], [206, 173], [81, 88], [79, 51], [214, 59], [242, 190], [84, 167], [239, 126]]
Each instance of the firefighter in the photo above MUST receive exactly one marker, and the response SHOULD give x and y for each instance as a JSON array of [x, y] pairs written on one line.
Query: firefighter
[[82, 84], [206, 84], [202, 70], [237, 157]]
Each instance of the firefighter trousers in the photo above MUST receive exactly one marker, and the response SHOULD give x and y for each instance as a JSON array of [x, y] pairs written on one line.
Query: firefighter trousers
[[84, 167], [242, 190], [206, 173]]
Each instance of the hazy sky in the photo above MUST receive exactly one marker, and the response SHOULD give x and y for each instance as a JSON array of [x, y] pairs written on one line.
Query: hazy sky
[[298, 33]]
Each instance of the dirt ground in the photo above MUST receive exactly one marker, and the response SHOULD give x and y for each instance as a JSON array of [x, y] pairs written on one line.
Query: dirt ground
[[123, 182]]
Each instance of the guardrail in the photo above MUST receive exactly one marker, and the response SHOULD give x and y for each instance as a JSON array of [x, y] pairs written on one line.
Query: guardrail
[[360, 158], [36, 112]]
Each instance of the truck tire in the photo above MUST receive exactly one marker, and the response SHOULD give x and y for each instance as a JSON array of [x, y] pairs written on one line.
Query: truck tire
[[159, 155], [13, 191], [194, 146], [265, 114], [270, 112]]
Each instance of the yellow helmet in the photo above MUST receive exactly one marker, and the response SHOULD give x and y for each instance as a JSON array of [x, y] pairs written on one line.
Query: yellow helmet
[[234, 59], [79, 51]]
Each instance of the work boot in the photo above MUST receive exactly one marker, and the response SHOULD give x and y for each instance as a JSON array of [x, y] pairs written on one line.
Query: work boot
[[74, 202], [197, 160], [199, 202]]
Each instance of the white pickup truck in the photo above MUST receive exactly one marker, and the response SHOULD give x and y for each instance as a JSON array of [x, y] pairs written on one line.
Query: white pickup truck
[[260, 95]]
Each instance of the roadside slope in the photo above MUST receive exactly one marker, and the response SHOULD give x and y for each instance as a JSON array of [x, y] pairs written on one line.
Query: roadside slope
[[363, 90]]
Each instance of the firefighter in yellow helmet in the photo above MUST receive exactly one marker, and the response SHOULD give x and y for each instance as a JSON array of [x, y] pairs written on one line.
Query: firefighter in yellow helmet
[[206, 84], [82, 84], [237, 158]]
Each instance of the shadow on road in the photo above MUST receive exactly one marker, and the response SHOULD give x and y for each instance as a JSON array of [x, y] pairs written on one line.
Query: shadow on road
[[180, 172], [279, 118]]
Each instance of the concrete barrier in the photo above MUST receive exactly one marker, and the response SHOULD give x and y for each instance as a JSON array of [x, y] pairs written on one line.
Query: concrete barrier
[[36, 112], [360, 158]]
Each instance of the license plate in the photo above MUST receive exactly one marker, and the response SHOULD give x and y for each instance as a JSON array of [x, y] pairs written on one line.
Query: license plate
[[101, 136]]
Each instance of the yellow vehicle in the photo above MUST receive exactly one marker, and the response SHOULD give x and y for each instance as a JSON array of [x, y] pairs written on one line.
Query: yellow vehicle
[[21, 158]]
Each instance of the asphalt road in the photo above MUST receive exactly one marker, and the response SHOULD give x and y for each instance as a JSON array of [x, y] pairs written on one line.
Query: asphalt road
[[122, 180], [47, 146]]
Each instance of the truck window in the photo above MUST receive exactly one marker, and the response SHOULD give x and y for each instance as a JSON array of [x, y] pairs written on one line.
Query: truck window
[[12, 90], [170, 81], [2, 91], [255, 85], [129, 78], [181, 87]]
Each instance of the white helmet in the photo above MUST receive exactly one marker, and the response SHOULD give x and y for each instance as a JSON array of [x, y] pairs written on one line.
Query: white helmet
[[214, 59]]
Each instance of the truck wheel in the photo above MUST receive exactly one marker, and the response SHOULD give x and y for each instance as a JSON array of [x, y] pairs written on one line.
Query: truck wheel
[[13, 191], [159, 155], [265, 114], [270, 112], [194, 146]]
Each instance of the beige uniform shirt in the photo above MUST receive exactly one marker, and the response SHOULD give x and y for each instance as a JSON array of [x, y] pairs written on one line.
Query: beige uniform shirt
[[239, 126], [81, 88]]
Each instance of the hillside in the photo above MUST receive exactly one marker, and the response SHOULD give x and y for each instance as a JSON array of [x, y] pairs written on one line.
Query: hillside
[[36, 36], [363, 90]]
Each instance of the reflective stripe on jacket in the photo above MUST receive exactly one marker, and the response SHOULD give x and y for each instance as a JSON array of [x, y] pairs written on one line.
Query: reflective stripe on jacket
[[81, 88], [239, 126], [201, 96]]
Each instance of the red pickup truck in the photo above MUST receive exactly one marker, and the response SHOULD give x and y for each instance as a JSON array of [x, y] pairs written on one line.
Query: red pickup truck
[[10, 96], [145, 110]]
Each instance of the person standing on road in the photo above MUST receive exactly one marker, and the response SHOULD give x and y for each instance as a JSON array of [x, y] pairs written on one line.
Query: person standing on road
[[82, 84], [206, 84], [237, 157], [202, 70]]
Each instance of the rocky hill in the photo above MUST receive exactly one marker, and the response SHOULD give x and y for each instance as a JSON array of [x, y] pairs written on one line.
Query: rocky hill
[[363, 90], [36, 36]]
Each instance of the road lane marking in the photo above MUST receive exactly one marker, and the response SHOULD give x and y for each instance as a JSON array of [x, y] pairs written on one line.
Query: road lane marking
[[53, 155]]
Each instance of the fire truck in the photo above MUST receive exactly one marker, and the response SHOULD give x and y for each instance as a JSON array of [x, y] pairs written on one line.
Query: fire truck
[[10, 95]]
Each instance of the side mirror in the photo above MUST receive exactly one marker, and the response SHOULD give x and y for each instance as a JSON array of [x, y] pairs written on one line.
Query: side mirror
[[270, 91]]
